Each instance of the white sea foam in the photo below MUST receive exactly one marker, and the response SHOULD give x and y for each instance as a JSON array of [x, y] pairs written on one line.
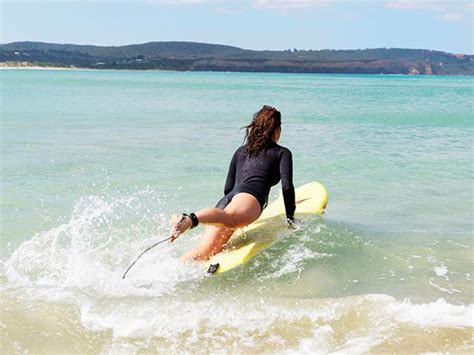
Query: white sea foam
[[441, 271], [459, 244], [434, 314], [81, 262], [381, 313], [89, 253], [438, 287], [293, 259], [387, 315]]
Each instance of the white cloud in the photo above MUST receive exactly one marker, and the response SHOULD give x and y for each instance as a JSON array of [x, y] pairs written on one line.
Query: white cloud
[[260, 4], [447, 11], [289, 4], [162, 2], [183, 2], [415, 5]]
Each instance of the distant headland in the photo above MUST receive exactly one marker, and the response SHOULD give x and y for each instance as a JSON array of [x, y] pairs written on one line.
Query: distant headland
[[191, 56]]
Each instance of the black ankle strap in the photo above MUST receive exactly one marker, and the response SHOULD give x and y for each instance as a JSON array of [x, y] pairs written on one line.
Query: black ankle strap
[[193, 217]]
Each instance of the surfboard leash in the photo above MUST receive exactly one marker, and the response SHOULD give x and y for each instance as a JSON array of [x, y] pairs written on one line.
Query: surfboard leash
[[143, 252]]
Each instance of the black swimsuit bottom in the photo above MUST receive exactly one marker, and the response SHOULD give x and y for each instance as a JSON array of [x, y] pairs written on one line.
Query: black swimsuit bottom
[[224, 201], [256, 174]]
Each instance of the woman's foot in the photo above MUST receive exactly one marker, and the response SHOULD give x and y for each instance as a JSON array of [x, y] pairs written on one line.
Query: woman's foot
[[179, 225]]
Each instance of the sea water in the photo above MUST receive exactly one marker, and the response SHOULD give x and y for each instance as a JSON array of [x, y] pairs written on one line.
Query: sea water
[[94, 163]]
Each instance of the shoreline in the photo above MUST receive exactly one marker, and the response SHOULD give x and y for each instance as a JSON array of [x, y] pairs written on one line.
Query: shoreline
[[37, 67]]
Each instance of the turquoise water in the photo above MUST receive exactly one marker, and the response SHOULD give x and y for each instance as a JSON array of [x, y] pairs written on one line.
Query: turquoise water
[[95, 162]]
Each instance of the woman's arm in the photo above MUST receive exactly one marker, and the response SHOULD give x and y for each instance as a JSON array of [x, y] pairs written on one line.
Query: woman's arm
[[286, 173], [230, 181]]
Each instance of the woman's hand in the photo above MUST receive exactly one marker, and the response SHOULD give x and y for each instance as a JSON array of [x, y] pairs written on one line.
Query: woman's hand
[[294, 223], [179, 225]]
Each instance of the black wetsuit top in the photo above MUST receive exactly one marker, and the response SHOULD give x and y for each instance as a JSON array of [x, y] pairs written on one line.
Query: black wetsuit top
[[257, 174]]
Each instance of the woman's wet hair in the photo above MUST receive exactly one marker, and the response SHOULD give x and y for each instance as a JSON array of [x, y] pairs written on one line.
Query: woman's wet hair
[[259, 133]]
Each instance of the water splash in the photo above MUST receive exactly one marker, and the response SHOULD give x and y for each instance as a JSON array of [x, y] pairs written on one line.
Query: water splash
[[89, 252]]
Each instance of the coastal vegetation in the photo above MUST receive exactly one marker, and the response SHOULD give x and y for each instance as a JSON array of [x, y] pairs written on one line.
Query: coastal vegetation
[[191, 56]]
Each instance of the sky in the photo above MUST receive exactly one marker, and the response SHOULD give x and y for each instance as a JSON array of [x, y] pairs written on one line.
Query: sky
[[251, 24]]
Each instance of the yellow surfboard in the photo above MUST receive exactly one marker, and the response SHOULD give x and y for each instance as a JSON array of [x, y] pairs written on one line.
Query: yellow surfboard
[[245, 243]]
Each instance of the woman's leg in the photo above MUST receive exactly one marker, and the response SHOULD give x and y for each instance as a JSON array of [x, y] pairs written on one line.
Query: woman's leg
[[212, 242], [241, 211]]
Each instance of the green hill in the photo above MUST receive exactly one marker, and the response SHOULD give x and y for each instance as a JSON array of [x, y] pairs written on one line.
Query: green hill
[[212, 57]]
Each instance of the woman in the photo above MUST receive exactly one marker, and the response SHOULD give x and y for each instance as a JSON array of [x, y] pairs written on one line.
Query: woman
[[254, 169]]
